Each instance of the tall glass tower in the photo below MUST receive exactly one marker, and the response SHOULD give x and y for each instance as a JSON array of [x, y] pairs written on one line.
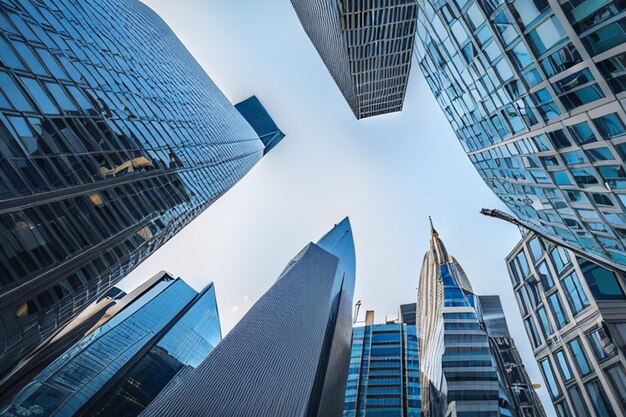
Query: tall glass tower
[[384, 377], [165, 329], [289, 355], [533, 90], [469, 362], [113, 139], [574, 311], [367, 47]]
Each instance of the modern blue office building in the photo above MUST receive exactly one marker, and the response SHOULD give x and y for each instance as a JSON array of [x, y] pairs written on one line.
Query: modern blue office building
[[121, 366], [535, 90], [384, 376], [262, 123], [367, 47], [113, 139], [289, 355]]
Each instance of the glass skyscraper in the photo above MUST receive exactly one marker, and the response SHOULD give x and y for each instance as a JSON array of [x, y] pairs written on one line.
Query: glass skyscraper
[[533, 90], [384, 376], [113, 139], [574, 311], [367, 47], [260, 120], [123, 364], [289, 355], [464, 358]]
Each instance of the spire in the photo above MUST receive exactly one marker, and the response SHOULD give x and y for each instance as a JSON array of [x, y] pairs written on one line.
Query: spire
[[436, 245]]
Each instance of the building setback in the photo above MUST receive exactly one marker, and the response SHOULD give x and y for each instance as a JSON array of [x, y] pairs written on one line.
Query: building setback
[[534, 91], [511, 371], [384, 376], [367, 47], [289, 355], [574, 311], [161, 329], [113, 139]]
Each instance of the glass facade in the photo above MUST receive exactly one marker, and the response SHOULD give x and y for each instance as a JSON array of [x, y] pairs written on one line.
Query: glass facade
[[113, 139], [581, 353], [289, 355], [460, 362], [533, 90], [253, 111], [123, 365], [384, 376], [367, 46]]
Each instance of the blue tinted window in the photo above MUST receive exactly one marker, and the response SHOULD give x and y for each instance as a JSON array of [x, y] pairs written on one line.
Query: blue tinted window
[[580, 357]]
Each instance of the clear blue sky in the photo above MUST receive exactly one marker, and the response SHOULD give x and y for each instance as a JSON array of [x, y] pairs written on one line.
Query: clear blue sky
[[388, 173]]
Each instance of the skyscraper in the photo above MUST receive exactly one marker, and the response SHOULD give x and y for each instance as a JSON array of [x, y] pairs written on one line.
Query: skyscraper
[[532, 89], [161, 329], [469, 362], [254, 112], [574, 311], [289, 355], [367, 47], [407, 313], [513, 376], [384, 376], [113, 139], [459, 375]]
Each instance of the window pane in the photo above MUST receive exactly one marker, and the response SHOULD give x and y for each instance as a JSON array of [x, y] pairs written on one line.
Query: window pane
[[576, 296], [602, 283], [578, 402], [548, 375], [561, 361], [602, 345], [599, 400], [579, 355], [618, 381], [560, 316]]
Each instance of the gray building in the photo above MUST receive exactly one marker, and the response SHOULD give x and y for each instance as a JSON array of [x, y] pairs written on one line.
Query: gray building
[[289, 355], [534, 90], [574, 311], [113, 139], [513, 376], [367, 47]]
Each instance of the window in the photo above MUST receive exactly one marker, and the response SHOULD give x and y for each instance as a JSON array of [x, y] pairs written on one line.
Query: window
[[560, 316], [562, 409], [546, 328], [599, 399], [602, 283], [618, 381], [561, 361], [560, 258], [601, 343], [545, 276], [614, 71], [531, 329], [578, 352], [520, 267], [546, 35], [548, 376], [578, 402], [575, 293], [609, 126], [582, 133], [530, 10]]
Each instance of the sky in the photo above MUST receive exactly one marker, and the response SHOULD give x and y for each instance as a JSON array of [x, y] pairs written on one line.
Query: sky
[[387, 173]]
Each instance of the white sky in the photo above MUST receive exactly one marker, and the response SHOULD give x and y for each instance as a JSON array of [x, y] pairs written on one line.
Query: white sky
[[388, 173]]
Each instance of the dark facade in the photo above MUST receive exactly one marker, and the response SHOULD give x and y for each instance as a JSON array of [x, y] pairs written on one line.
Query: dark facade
[[513, 376], [253, 111], [574, 311], [535, 90], [367, 47], [384, 376], [289, 355], [408, 312], [113, 139], [119, 367]]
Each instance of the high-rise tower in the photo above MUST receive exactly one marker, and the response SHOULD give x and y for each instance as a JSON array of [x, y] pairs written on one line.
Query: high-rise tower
[[289, 355], [534, 90], [367, 47], [113, 139], [162, 329], [384, 377]]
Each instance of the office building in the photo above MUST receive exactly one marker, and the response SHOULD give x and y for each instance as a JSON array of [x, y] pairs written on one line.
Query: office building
[[253, 111], [289, 355], [113, 139], [384, 376], [367, 47], [163, 328], [534, 90], [407, 313], [514, 379], [574, 312], [466, 355]]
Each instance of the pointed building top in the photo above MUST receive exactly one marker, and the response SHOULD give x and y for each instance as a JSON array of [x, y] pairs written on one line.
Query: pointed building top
[[436, 245], [340, 243]]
